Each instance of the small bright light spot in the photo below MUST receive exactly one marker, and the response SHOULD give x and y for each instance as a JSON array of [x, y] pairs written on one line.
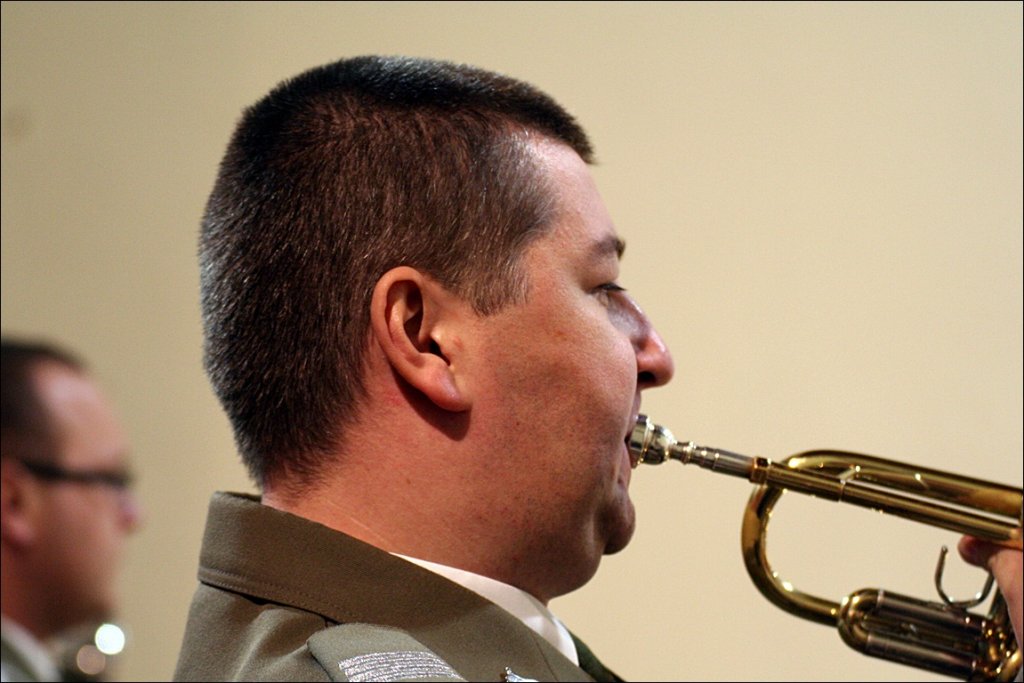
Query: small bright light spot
[[90, 660], [109, 639], [787, 585]]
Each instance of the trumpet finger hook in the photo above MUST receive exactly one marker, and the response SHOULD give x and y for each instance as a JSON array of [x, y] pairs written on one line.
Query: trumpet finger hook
[[959, 604]]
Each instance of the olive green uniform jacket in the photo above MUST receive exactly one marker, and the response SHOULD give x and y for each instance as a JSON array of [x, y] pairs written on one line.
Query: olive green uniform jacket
[[16, 665], [286, 599]]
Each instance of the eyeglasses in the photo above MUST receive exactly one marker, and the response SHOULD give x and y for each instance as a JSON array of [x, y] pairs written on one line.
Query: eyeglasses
[[121, 481]]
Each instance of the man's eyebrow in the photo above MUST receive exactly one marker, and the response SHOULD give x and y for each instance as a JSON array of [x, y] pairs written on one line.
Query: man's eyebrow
[[612, 244]]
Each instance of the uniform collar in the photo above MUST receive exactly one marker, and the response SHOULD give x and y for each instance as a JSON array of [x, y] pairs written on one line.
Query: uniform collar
[[254, 550]]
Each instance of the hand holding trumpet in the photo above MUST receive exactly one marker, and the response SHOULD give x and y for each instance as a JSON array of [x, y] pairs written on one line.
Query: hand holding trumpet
[[1007, 566]]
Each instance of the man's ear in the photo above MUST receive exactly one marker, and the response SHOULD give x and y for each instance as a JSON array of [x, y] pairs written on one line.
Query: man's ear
[[415, 321], [18, 504]]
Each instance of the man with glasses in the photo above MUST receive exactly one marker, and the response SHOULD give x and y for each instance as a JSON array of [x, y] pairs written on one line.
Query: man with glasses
[[66, 506]]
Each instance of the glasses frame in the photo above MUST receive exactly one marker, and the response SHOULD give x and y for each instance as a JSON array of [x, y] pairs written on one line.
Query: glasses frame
[[120, 481]]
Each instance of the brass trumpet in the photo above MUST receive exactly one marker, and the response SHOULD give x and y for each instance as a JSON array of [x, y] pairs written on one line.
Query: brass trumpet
[[943, 637]]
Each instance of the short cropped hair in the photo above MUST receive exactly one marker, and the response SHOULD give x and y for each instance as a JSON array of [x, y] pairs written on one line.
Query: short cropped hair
[[332, 179], [26, 427]]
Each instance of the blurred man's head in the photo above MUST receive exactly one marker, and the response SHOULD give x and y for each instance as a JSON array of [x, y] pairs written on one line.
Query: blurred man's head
[[65, 503]]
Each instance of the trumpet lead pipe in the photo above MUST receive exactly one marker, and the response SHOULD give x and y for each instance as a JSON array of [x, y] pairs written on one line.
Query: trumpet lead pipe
[[653, 444]]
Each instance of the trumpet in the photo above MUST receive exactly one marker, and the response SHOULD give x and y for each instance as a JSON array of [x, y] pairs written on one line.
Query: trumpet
[[939, 636]]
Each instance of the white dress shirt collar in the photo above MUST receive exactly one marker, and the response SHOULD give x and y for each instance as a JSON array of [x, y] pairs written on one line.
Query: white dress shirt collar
[[517, 602]]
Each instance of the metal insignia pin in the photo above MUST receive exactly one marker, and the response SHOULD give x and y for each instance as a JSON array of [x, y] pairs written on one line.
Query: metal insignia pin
[[512, 677]]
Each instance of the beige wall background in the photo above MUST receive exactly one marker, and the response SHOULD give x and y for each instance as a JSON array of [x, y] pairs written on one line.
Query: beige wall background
[[824, 214]]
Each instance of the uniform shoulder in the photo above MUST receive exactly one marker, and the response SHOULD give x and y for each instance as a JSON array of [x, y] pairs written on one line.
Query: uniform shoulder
[[232, 637]]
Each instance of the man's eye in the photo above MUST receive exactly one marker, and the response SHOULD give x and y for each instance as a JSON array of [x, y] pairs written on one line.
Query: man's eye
[[609, 288]]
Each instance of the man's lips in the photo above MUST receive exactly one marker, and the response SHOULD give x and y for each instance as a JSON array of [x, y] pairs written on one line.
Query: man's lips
[[634, 459]]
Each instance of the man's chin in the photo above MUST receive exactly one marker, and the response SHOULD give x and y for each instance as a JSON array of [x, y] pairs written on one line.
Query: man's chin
[[622, 530]]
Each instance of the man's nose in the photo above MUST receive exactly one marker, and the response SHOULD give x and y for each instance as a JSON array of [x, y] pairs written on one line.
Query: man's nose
[[130, 511], [654, 364]]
